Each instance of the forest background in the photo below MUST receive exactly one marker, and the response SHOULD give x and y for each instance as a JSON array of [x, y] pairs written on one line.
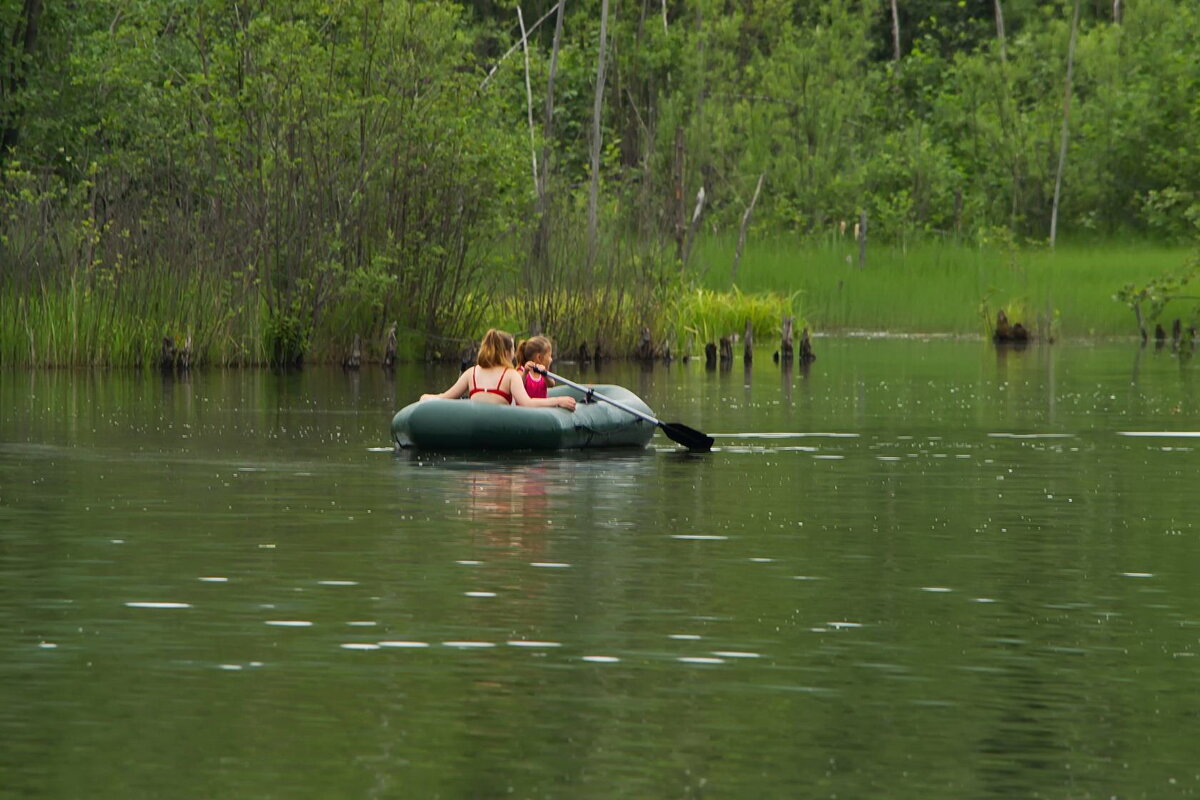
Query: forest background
[[268, 179]]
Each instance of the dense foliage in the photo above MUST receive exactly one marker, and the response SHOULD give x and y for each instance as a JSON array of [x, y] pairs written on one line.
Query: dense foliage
[[274, 177]]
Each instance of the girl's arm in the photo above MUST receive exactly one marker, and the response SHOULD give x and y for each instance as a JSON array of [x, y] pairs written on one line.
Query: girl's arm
[[516, 387], [454, 392]]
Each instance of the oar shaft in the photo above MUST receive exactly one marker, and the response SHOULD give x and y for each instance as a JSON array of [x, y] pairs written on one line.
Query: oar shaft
[[605, 398]]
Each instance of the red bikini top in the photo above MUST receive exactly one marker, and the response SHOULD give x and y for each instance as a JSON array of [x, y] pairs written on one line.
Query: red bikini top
[[496, 390]]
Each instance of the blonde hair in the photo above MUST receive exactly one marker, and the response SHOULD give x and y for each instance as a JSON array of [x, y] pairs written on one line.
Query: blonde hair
[[531, 348], [495, 350]]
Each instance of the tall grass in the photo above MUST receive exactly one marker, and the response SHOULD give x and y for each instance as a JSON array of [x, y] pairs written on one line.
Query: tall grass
[[941, 287], [97, 320]]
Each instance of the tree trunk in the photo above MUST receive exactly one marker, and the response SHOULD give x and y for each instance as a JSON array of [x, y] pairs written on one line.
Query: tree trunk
[[529, 99], [737, 254], [1066, 126], [691, 231], [1000, 32], [597, 107], [542, 232], [895, 32], [24, 40], [860, 234]]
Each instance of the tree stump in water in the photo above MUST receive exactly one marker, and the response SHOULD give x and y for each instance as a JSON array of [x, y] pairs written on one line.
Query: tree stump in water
[[583, 355], [389, 348], [166, 357], [645, 348], [748, 349], [353, 359], [807, 356], [467, 357], [785, 344], [726, 349], [710, 355], [1006, 332]]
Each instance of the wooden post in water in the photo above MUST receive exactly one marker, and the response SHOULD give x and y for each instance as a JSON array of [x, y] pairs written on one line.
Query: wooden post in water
[[785, 344], [748, 349], [710, 355]]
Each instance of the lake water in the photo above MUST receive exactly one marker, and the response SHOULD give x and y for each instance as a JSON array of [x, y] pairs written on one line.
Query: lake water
[[919, 569]]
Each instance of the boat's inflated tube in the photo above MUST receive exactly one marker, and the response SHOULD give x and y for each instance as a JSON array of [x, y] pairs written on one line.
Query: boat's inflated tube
[[466, 425]]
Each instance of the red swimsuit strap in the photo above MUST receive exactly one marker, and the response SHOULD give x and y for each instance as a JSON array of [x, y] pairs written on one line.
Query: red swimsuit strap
[[496, 390]]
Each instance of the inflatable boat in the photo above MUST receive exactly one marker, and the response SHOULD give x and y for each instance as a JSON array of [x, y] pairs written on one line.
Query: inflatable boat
[[464, 425]]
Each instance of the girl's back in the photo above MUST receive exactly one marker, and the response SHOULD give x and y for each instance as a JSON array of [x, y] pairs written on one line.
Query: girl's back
[[490, 384]]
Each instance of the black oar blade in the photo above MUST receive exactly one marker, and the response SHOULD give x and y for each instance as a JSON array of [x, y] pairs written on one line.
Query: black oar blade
[[690, 438]]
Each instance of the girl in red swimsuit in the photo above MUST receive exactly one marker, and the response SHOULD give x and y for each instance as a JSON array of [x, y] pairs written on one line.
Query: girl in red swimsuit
[[534, 352], [493, 379]]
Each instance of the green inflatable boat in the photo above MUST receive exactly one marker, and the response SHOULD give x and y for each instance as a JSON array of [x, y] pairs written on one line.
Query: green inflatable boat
[[463, 425]]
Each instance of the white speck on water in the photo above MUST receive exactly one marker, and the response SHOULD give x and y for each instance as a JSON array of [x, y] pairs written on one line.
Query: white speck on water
[[360, 646], [984, 600], [549, 564], [532, 643], [1178, 434], [338, 583], [118, 541], [1031, 435], [213, 579], [829, 458], [289, 623], [805, 578], [699, 537], [266, 547], [687, 637], [762, 560], [700, 660], [938, 589], [362, 623], [1138, 574], [735, 654], [468, 645], [47, 645], [480, 594], [230, 667], [601, 659], [397, 643], [840, 625], [469, 563], [139, 604]]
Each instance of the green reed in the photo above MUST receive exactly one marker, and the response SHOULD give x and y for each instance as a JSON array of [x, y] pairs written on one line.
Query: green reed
[[108, 319], [942, 287]]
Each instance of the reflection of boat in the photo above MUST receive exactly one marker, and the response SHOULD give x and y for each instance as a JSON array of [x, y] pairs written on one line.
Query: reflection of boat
[[463, 425]]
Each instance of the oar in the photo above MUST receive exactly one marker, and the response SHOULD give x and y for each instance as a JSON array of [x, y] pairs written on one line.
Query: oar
[[690, 438]]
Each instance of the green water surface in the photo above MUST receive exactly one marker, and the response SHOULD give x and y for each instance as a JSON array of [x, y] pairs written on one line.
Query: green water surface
[[918, 569]]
